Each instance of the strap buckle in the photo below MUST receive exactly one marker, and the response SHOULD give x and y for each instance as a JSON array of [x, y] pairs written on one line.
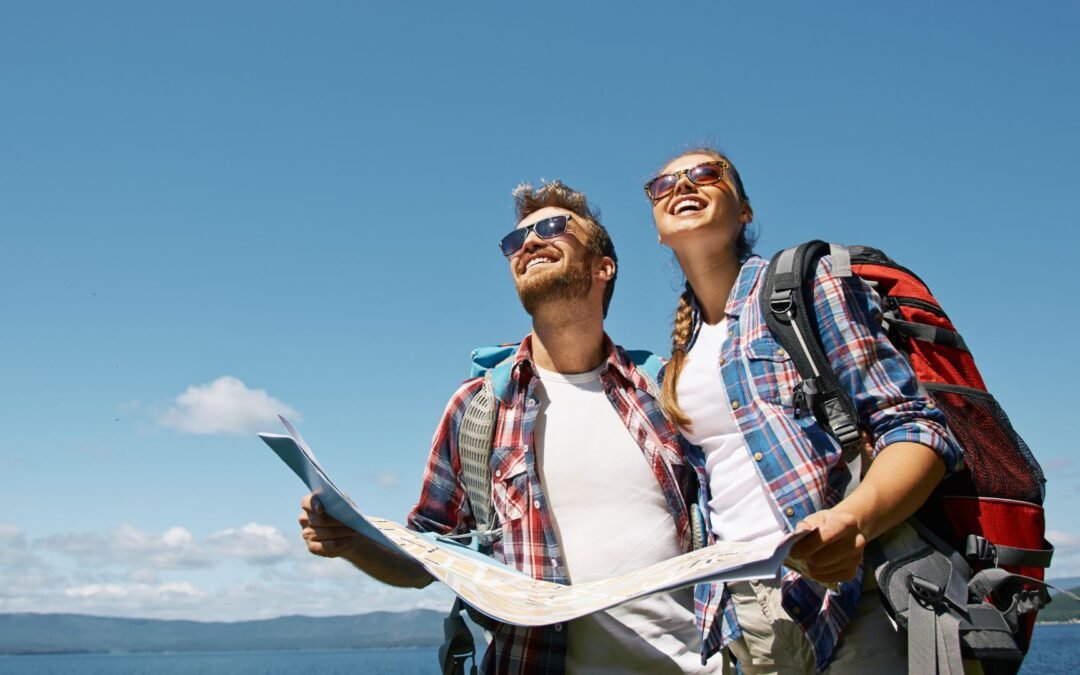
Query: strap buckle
[[980, 548], [928, 593], [804, 397], [781, 304]]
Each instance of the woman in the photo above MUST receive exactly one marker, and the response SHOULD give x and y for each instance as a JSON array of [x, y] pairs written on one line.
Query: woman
[[729, 387]]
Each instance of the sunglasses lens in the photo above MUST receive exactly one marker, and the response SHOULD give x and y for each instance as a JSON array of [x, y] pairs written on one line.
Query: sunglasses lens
[[513, 241], [706, 174], [661, 185], [549, 228]]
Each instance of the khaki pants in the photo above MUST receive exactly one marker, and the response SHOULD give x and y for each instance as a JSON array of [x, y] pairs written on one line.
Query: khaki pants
[[773, 643]]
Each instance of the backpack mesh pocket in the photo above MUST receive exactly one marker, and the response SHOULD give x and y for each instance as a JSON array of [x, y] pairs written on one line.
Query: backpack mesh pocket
[[997, 462]]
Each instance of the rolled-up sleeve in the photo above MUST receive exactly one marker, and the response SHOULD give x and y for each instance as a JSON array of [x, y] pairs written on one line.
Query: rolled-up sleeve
[[876, 374]]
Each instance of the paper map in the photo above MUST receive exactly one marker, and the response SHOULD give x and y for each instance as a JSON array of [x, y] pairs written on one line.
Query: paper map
[[507, 595]]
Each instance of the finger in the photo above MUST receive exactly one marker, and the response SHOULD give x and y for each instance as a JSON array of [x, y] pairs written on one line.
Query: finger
[[334, 532], [323, 520], [807, 546], [833, 573], [837, 552], [312, 503]]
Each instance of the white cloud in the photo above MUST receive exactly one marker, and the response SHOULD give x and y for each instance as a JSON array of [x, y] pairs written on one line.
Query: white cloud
[[1066, 561], [225, 406], [11, 536], [176, 575], [90, 550], [175, 549], [1062, 539], [257, 544]]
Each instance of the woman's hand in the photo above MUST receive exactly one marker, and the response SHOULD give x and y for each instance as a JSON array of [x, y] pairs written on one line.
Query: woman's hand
[[833, 552]]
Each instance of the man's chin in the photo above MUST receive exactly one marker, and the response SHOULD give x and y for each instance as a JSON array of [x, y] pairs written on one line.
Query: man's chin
[[552, 290]]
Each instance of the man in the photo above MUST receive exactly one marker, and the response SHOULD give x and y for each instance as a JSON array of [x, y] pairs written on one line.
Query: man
[[588, 479]]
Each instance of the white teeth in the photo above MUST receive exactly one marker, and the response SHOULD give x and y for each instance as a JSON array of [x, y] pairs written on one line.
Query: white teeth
[[537, 261], [688, 205]]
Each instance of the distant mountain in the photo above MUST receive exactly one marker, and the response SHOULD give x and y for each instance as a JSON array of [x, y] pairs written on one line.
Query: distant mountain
[[1061, 608], [1065, 582], [53, 633]]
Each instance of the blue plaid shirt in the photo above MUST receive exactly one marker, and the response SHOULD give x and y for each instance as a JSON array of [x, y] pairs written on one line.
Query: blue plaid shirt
[[800, 463]]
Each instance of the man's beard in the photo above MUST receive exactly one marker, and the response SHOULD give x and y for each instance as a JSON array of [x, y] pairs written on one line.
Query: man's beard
[[568, 284]]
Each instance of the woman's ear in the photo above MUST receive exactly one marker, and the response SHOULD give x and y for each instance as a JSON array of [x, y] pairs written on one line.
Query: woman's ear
[[747, 215]]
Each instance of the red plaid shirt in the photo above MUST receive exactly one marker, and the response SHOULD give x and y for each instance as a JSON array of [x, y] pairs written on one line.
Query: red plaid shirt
[[528, 542]]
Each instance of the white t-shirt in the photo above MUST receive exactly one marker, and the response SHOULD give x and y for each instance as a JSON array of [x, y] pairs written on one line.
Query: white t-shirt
[[610, 517], [739, 507]]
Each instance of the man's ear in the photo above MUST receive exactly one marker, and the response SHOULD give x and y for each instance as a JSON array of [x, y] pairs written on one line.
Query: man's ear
[[606, 269]]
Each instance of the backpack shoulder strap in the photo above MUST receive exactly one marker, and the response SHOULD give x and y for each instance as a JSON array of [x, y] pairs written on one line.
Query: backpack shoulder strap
[[787, 307], [649, 365], [475, 436]]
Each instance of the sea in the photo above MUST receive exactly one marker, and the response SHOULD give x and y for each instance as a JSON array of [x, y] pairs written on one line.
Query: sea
[[1055, 650]]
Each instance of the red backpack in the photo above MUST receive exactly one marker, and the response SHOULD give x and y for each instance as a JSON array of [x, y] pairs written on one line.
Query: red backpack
[[974, 589]]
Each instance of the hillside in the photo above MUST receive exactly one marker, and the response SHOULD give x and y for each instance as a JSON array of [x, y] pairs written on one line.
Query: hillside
[[51, 633]]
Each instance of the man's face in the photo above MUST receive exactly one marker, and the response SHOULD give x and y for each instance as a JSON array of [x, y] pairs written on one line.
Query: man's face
[[552, 270]]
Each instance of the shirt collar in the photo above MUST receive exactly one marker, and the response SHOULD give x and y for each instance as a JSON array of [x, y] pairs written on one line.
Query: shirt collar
[[522, 369], [749, 274]]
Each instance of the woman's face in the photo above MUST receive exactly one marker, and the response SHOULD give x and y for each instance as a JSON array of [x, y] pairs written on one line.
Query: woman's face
[[690, 212]]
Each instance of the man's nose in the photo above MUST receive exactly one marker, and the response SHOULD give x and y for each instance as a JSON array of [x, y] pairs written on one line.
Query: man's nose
[[532, 242]]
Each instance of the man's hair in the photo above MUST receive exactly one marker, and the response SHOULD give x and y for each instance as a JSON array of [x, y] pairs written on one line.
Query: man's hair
[[529, 200]]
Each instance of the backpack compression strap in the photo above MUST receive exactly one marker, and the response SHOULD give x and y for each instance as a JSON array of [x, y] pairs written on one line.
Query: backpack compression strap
[[787, 310]]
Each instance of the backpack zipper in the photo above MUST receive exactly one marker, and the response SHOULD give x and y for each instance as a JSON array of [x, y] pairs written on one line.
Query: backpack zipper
[[920, 304]]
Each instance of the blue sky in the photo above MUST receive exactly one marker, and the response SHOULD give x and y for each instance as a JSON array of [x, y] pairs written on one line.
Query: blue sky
[[210, 211]]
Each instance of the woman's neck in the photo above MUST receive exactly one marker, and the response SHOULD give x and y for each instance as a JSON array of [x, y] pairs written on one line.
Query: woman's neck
[[712, 278]]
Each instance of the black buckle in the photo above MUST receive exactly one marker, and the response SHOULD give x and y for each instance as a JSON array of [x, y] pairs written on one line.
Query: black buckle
[[804, 397], [780, 303], [980, 548], [925, 591]]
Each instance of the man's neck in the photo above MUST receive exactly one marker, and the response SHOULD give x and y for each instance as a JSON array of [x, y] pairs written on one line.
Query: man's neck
[[568, 344]]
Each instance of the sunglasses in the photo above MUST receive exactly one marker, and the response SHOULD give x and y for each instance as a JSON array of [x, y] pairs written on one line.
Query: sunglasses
[[708, 173], [548, 228]]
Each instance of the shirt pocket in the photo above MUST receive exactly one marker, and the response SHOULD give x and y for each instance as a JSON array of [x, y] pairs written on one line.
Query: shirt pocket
[[510, 482], [772, 372]]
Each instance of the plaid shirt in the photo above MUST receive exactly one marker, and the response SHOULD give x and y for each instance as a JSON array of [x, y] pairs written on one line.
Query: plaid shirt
[[528, 542], [799, 462]]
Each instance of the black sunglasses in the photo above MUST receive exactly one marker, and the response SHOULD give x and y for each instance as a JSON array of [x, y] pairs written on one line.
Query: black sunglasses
[[548, 228], [708, 173]]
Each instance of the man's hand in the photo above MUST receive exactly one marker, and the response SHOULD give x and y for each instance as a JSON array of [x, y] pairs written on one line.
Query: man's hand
[[325, 535], [831, 554], [328, 537]]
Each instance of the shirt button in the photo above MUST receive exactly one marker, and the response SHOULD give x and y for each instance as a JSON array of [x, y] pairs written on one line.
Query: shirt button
[[931, 405], [558, 628], [758, 456], [731, 332], [789, 511], [734, 405], [498, 473], [722, 360], [554, 562], [536, 504], [780, 351], [796, 610]]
